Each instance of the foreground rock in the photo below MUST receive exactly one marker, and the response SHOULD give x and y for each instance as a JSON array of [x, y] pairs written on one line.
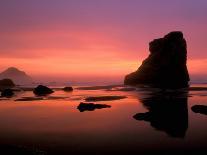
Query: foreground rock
[[6, 83], [7, 93], [202, 109], [91, 106], [42, 90], [104, 98], [165, 67], [68, 89]]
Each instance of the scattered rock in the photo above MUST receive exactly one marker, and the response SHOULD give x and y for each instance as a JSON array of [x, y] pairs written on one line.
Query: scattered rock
[[165, 67], [104, 98], [42, 90], [202, 109], [91, 106], [7, 83], [7, 93], [68, 89]]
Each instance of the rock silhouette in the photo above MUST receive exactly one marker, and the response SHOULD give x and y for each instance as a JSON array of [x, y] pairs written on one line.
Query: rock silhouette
[[91, 106], [165, 67], [18, 76], [167, 112], [68, 89], [6, 83], [42, 90], [202, 109], [7, 93]]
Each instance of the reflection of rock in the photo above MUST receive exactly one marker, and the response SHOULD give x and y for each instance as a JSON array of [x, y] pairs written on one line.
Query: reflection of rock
[[6, 83], [167, 112], [104, 98], [68, 89], [7, 93], [42, 90], [91, 106], [202, 109], [29, 99], [165, 67]]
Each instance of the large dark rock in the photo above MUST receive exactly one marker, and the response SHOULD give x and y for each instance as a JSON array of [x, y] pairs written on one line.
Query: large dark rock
[[42, 90], [165, 67], [6, 83], [7, 93]]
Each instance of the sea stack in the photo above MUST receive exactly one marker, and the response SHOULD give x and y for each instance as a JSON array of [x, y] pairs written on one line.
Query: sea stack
[[165, 67]]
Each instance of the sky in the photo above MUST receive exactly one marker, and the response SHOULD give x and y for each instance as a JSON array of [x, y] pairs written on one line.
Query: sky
[[96, 39]]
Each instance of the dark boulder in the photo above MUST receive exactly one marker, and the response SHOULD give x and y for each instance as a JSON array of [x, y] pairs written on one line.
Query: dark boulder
[[165, 66], [68, 89], [91, 106], [7, 93], [6, 83], [42, 90], [202, 109]]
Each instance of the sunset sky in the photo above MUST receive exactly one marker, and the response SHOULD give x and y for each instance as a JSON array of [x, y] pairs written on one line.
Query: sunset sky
[[79, 39]]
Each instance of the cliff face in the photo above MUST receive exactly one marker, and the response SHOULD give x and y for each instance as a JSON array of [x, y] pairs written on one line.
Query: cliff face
[[165, 66]]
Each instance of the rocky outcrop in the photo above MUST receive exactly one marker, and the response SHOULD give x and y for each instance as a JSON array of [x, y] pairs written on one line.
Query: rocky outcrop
[[18, 76], [7, 93], [165, 67], [6, 83], [42, 90]]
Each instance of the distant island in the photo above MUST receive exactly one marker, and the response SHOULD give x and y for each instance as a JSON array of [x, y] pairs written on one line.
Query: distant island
[[17, 76]]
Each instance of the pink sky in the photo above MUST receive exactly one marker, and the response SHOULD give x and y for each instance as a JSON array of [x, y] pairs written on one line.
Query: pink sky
[[96, 38]]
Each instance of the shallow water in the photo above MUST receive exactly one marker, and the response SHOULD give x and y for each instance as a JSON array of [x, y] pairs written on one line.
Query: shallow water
[[56, 126]]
